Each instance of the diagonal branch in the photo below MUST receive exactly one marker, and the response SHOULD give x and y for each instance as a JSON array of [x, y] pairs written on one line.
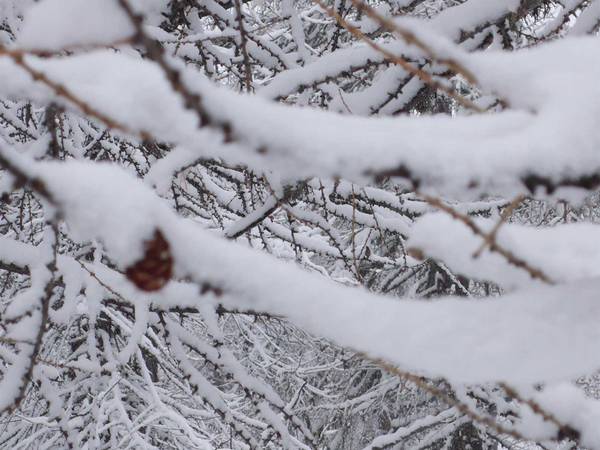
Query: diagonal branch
[[419, 73]]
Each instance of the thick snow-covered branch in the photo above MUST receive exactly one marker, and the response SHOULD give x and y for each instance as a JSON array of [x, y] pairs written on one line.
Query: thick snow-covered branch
[[487, 153], [539, 339]]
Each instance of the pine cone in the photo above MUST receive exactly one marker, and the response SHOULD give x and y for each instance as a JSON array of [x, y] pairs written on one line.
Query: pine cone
[[155, 269]]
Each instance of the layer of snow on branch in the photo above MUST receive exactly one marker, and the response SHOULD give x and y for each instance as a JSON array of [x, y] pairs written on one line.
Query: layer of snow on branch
[[564, 253], [490, 151], [542, 333], [55, 24]]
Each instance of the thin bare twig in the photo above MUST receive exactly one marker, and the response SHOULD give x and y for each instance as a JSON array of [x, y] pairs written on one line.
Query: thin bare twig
[[156, 53], [411, 39], [44, 308], [564, 431], [419, 73], [463, 408], [510, 257], [244, 46], [491, 237], [62, 91], [42, 53]]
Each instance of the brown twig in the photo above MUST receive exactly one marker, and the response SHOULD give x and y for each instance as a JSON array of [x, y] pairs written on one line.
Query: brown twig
[[244, 46], [63, 92], [411, 39], [491, 237], [419, 73], [22, 178], [156, 53], [564, 431], [463, 408], [42, 53], [510, 257]]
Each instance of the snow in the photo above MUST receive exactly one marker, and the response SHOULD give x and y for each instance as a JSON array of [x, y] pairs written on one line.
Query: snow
[[488, 153], [571, 406], [331, 64], [587, 21], [14, 252], [22, 320], [548, 132], [55, 24], [565, 253], [121, 223], [468, 16], [454, 338], [417, 425], [255, 216]]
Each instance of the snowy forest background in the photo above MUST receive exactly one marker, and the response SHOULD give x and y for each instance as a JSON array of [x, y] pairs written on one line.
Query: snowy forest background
[[309, 224]]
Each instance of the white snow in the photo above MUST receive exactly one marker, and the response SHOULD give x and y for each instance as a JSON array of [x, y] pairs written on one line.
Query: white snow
[[458, 339], [492, 152], [56, 24]]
